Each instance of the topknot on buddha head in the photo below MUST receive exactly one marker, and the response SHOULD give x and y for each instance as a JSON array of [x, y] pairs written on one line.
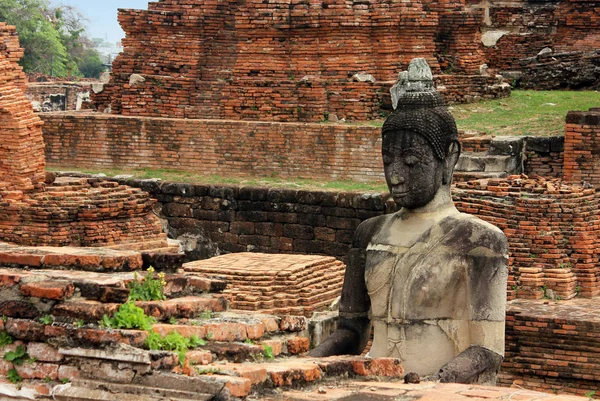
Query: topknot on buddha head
[[421, 109]]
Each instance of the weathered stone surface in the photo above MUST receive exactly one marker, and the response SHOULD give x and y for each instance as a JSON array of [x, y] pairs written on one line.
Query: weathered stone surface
[[120, 352]]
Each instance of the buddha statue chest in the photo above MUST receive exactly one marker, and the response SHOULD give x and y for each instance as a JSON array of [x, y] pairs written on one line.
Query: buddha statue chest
[[419, 295]]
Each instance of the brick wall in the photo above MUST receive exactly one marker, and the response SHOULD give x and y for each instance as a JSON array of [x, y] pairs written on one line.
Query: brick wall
[[574, 70], [327, 151], [324, 151], [544, 156], [215, 219], [582, 146], [553, 228]]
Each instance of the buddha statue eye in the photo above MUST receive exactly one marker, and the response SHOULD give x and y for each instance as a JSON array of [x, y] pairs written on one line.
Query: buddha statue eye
[[411, 160]]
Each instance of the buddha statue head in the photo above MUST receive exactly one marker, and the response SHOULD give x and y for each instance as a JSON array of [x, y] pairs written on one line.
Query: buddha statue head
[[419, 141]]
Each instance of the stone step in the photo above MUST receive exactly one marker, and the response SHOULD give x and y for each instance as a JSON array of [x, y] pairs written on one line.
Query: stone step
[[95, 390], [69, 258], [295, 372], [30, 290], [188, 307], [484, 162], [477, 175]]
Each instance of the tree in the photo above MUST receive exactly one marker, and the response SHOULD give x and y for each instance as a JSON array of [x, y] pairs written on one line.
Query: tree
[[91, 65], [44, 50], [54, 38]]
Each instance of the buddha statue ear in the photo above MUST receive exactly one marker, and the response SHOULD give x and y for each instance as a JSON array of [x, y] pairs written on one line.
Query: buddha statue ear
[[450, 161]]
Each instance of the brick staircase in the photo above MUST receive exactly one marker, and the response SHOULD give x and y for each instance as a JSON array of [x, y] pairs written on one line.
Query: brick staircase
[[53, 299]]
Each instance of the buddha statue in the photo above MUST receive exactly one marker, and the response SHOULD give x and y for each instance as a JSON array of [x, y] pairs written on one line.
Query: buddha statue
[[429, 280]]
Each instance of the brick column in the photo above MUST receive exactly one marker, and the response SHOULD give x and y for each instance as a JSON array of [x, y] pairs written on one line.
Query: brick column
[[582, 147]]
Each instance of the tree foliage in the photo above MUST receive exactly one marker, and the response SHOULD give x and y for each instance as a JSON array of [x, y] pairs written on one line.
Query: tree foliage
[[54, 38]]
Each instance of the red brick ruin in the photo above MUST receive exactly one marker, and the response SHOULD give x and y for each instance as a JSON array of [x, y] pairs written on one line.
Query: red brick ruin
[[296, 61], [290, 61], [38, 210]]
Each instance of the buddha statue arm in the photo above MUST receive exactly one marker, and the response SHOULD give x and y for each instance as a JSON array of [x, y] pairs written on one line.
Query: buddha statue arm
[[487, 286], [352, 333]]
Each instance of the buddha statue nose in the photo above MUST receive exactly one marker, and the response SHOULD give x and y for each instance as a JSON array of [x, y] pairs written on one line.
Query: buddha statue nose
[[397, 179]]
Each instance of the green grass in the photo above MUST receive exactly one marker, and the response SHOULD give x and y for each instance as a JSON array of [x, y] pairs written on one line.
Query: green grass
[[195, 178], [536, 113]]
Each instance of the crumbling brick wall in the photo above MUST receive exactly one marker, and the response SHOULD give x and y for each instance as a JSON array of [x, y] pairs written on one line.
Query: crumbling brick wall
[[290, 61], [552, 228], [22, 152], [526, 27], [35, 210]]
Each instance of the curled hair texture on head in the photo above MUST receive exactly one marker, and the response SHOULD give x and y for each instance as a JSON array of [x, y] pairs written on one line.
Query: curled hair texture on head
[[425, 114]]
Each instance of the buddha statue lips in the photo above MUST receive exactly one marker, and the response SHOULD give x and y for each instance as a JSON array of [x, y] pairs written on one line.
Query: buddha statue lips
[[430, 280]]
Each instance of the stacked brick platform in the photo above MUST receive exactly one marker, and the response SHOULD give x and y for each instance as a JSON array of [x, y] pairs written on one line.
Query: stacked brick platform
[[284, 61], [277, 284], [35, 210], [564, 26], [582, 145], [552, 346], [552, 229], [82, 212]]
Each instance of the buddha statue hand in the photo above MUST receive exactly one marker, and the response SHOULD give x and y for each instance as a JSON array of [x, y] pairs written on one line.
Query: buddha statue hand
[[474, 365]]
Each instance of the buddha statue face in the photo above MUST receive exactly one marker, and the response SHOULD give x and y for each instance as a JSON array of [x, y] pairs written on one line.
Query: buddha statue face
[[413, 172]]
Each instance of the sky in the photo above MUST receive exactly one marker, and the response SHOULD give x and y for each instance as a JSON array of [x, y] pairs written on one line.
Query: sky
[[102, 15]]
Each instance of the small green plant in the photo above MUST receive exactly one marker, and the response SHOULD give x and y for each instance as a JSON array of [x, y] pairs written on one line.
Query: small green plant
[[151, 288], [545, 289], [172, 320], [79, 323], [47, 319], [5, 339], [64, 381], [13, 376], [47, 379], [128, 316], [4, 318], [210, 336], [268, 351], [590, 394], [558, 298], [17, 357], [577, 290], [207, 314], [173, 341], [248, 341], [207, 371]]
